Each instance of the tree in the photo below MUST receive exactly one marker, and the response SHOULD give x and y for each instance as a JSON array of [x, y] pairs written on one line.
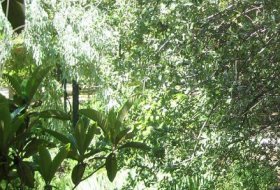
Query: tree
[[205, 74]]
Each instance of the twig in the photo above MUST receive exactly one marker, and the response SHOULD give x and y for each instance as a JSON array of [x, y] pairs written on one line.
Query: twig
[[96, 158], [7, 8], [201, 129], [162, 46], [19, 27], [220, 13]]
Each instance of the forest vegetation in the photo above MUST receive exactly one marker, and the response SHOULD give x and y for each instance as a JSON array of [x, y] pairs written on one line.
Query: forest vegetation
[[140, 94]]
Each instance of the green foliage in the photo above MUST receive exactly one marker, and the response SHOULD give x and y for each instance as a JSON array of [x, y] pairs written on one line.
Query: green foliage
[[26, 89], [206, 74], [25, 173], [16, 127], [48, 167], [16, 132], [5, 39], [77, 173], [111, 166], [137, 145]]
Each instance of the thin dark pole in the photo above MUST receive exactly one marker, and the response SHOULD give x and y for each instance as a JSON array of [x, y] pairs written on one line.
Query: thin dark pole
[[75, 95], [65, 94]]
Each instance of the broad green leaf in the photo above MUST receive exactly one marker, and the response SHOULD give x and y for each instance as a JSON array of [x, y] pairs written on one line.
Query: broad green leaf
[[124, 110], [121, 135], [113, 125], [137, 145], [79, 134], [58, 159], [89, 137], [15, 83], [45, 162], [64, 139], [77, 173], [33, 147], [5, 122], [20, 139], [95, 116], [117, 128], [15, 126], [111, 166], [25, 174], [35, 80], [73, 141]]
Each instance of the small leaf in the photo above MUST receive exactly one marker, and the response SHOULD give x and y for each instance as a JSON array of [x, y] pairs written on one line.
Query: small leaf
[[18, 111], [77, 173], [111, 166], [137, 145]]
